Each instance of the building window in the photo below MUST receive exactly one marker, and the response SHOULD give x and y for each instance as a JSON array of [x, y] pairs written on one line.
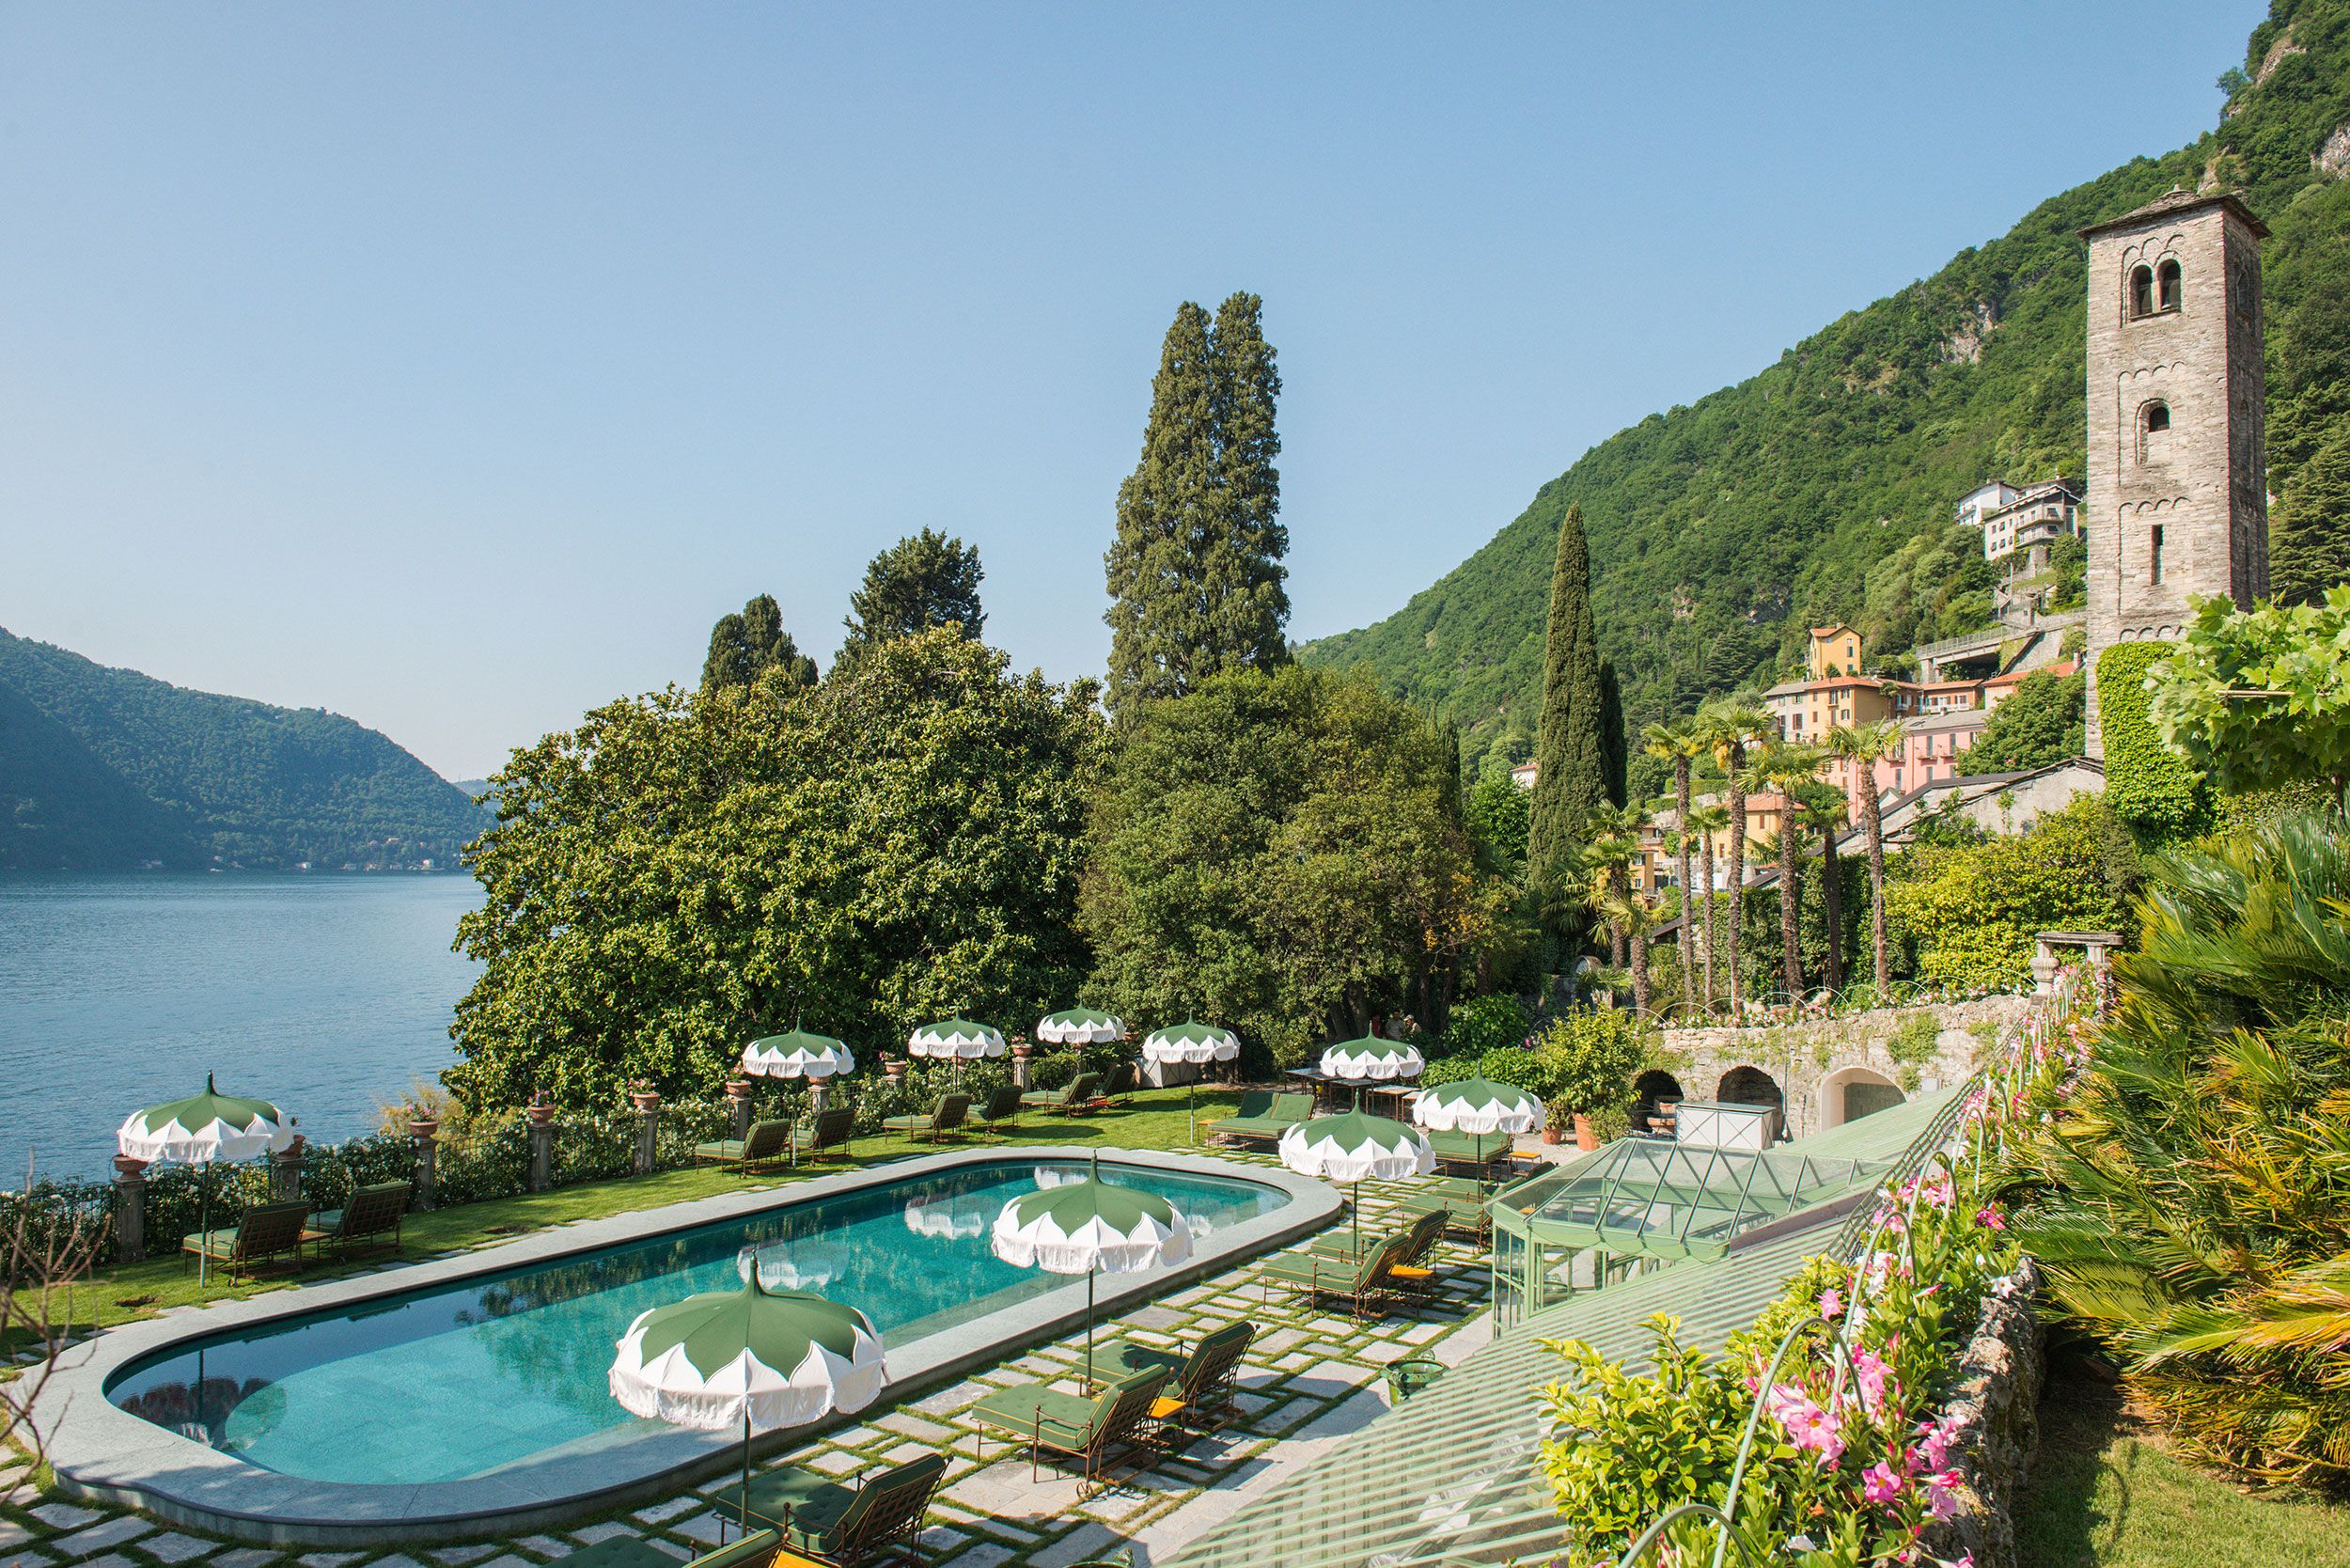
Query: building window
[[2166, 286], [2142, 291], [2154, 423], [2153, 555]]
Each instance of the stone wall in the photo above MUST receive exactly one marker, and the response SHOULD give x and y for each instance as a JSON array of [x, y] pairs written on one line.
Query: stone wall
[[1803, 1059], [1996, 1402]]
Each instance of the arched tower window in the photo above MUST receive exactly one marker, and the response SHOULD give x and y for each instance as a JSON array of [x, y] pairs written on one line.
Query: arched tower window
[[2157, 419], [2153, 429], [2166, 286], [2141, 290]]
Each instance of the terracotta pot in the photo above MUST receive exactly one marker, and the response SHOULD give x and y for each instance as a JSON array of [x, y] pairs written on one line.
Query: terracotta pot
[[541, 1116], [738, 1089], [1585, 1138], [645, 1100], [1554, 1136], [423, 1126], [128, 1166]]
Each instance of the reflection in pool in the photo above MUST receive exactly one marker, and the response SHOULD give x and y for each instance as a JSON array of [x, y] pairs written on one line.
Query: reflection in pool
[[468, 1378]]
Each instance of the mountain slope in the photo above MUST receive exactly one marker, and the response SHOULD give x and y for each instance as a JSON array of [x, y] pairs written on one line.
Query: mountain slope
[[1821, 489], [104, 769]]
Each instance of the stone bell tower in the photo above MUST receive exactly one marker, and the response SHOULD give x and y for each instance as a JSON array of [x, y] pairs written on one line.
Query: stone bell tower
[[2177, 502]]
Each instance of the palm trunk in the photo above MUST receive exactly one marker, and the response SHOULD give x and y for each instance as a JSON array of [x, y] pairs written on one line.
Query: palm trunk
[[1832, 907], [1737, 875], [1618, 885], [1706, 875], [1639, 974], [1791, 955], [1688, 937], [1872, 828]]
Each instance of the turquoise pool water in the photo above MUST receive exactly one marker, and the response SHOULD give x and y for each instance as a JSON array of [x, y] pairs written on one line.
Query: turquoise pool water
[[469, 1378]]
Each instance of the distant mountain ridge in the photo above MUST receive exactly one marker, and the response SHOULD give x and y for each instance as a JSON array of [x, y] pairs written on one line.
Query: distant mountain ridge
[[1821, 489], [107, 769]]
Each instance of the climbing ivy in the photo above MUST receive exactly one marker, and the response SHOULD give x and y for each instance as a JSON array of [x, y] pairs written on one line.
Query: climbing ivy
[[2148, 785]]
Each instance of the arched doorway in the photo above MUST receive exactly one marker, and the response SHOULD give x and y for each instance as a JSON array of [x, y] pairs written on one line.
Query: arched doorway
[[1751, 1086], [1850, 1093], [1654, 1091]]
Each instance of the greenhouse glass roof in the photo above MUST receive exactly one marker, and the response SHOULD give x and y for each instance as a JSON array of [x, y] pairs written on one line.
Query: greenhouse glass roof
[[1640, 1197]]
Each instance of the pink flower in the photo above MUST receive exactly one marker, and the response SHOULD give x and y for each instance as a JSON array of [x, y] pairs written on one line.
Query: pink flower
[[1808, 1426], [1942, 1493], [1869, 1372], [1934, 1442], [1989, 1219], [1831, 1303], [1878, 1483]]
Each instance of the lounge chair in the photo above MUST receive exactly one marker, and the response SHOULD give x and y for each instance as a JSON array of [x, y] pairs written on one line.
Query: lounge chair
[[1199, 1396], [1074, 1101], [945, 1118], [764, 1146], [1003, 1108], [1358, 1281], [1092, 1431], [1412, 1270], [823, 1519], [1462, 1200], [833, 1130], [363, 1224], [1115, 1088], [1477, 1150], [754, 1550], [1282, 1113], [262, 1231]]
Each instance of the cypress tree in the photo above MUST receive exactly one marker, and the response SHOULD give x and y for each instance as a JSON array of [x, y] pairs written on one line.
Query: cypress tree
[[1195, 571], [925, 580], [1572, 777], [1615, 746], [744, 646]]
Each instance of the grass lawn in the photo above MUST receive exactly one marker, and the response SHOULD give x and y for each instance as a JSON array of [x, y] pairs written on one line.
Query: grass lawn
[[2106, 1493], [1153, 1118]]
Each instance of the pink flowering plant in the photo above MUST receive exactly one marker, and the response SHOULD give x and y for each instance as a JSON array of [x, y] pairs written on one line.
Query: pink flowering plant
[[1838, 1381]]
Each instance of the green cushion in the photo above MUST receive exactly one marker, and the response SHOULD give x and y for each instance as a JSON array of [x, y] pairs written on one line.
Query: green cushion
[[624, 1551], [755, 1548], [1067, 1417], [222, 1243], [725, 1148], [905, 1123], [813, 1502], [1126, 1356]]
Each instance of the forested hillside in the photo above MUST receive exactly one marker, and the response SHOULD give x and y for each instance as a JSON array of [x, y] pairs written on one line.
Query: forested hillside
[[1822, 487], [108, 769]]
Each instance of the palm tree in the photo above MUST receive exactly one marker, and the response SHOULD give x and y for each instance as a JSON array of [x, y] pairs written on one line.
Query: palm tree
[[1820, 809], [1783, 768], [1705, 821], [1635, 919], [1612, 841], [1864, 746], [1728, 727], [1678, 744]]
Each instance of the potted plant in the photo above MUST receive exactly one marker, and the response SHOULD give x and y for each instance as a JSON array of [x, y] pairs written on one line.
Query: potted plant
[[1557, 1117], [642, 1094], [1592, 1056]]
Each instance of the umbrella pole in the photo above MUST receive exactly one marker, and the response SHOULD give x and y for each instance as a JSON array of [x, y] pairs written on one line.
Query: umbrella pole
[[1355, 1205], [1091, 1272], [1191, 1107], [745, 1496], [203, 1220]]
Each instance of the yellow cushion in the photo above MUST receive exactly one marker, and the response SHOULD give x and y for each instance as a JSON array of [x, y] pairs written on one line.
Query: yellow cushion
[[1165, 1406], [1412, 1271]]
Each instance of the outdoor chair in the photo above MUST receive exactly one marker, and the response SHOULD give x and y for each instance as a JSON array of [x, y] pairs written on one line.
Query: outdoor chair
[[1420, 1239], [833, 1130], [1284, 1110], [1051, 1424], [1074, 1101], [764, 1146], [1360, 1282], [1115, 1088], [754, 1550], [1478, 1151], [363, 1224], [823, 1519], [1199, 1397], [262, 1231], [1003, 1108], [1461, 1199], [945, 1118]]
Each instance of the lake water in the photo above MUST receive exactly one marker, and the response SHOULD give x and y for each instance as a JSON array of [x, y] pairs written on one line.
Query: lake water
[[327, 995]]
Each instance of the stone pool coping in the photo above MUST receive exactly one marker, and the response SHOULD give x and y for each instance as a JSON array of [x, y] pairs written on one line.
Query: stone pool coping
[[99, 1451]]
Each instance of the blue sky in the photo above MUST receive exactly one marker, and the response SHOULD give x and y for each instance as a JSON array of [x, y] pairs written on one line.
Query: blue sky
[[454, 367]]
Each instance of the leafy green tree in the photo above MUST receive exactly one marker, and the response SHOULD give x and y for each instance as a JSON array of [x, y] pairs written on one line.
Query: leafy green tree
[[1498, 813], [2150, 783], [744, 646], [1784, 769], [923, 581], [2309, 543], [2256, 700], [1705, 821], [2044, 720], [1819, 813], [902, 841], [1194, 572], [1861, 748], [1283, 852], [1973, 911], [1570, 744]]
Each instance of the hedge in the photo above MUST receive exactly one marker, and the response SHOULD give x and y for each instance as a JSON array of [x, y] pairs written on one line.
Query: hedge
[[2148, 785]]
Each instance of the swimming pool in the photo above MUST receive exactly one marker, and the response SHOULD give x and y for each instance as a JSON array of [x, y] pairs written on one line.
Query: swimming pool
[[477, 1377]]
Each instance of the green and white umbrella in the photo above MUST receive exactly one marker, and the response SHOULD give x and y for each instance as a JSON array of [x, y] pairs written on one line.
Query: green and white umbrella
[[1356, 1148], [1090, 1227], [958, 1038], [1192, 1044], [200, 1131], [765, 1358], [788, 1266], [961, 1217], [1370, 1057], [1477, 1106], [797, 1055], [1081, 1026]]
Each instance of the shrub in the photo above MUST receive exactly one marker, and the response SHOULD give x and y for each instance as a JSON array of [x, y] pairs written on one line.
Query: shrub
[[1484, 1024], [1521, 1068], [1974, 911], [1592, 1056]]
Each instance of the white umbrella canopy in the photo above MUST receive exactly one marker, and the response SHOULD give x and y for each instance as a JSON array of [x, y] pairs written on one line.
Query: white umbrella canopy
[[1356, 1148], [203, 1130], [1090, 1227], [797, 1055], [1370, 1057], [1477, 1106], [962, 1217], [1080, 1026], [764, 1358], [1190, 1042], [958, 1038], [787, 1265]]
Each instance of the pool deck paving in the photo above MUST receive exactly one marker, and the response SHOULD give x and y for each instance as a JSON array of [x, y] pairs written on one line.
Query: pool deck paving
[[1311, 1377]]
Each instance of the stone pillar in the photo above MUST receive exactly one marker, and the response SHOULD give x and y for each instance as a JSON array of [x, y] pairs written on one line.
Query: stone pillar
[[129, 1208], [541, 1116], [424, 1129], [738, 1108], [2044, 966], [285, 1171], [648, 1105], [1020, 1055], [819, 1096], [894, 1069]]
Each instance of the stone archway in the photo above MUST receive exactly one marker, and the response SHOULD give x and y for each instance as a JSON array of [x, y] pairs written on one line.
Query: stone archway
[[1653, 1090], [1751, 1086], [1850, 1093]]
